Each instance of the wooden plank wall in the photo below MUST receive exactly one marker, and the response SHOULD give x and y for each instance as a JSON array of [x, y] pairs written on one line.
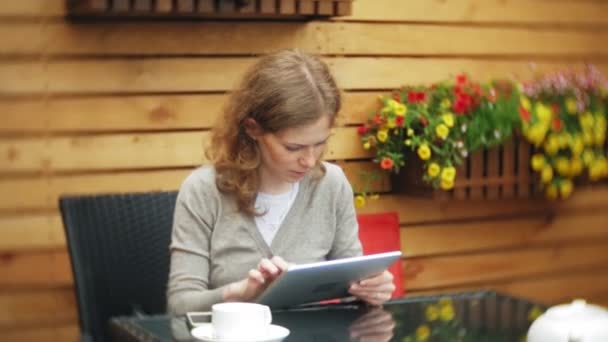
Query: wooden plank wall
[[125, 106]]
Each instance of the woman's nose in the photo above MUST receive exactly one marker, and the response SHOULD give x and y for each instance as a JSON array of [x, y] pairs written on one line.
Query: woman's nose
[[308, 159]]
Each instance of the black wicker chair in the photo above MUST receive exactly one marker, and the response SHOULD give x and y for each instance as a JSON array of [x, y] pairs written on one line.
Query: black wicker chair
[[119, 249]]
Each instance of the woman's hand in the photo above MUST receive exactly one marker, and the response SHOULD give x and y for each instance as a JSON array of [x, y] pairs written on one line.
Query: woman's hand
[[374, 290], [257, 280]]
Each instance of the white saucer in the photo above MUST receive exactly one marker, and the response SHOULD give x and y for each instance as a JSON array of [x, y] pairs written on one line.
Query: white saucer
[[204, 332]]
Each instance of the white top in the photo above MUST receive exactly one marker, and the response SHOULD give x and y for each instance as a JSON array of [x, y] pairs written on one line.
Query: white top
[[276, 208]]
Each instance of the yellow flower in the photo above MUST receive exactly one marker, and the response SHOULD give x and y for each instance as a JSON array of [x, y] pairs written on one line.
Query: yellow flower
[[577, 145], [359, 201], [446, 184], [546, 174], [552, 145], [571, 105], [433, 170], [443, 301], [391, 123], [448, 173], [424, 152], [407, 142], [448, 119], [588, 157], [367, 145], [410, 132], [565, 188], [576, 166], [445, 104], [442, 131], [543, 112], [431, 313], [525, 102], [382, 135], [600, 137], [562, 165], [393, 104], [446, 313], [534, 313], [386, 110], [586, 120], [401, 109], [423, 333], [551, 192], [538, 162]]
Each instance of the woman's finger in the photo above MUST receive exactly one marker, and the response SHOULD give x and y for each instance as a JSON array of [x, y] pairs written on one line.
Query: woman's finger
[[256, 276], [266, 266], [382, 278], [280, 263]]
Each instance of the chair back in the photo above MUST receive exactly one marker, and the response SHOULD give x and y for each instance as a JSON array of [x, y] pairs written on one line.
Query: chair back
[[380, 233], [119, 251]]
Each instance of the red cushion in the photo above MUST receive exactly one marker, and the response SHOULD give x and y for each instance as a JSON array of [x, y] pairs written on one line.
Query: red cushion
[[380, 233]]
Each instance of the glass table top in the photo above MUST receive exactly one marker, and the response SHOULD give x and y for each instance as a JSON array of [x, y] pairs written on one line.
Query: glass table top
[[471, 316]]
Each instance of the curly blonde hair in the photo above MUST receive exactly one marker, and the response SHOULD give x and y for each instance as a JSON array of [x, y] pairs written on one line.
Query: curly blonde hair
[[285, 89]]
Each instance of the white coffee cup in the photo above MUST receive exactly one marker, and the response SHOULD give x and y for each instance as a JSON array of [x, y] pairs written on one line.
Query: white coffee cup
[[240, 321]]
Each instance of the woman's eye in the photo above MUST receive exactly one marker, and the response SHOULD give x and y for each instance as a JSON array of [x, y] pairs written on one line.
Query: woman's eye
[[292, 149]]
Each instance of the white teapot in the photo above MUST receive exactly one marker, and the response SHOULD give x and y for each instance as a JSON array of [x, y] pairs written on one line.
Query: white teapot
[[575, 322]]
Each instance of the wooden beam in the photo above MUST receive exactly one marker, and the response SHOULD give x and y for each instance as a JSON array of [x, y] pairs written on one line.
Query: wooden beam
[[159, 75], [209, 38]]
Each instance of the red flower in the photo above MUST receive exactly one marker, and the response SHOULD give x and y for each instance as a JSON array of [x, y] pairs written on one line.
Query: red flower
[[411, 97], [457, 89], [386, 163], [378, 119], [399, 121], [524, 114], [461, 79], [421, 96], [557, 124], [362, 130], [555, 108]]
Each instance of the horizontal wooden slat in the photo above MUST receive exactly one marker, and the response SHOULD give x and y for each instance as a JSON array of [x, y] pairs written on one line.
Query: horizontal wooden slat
[[486, 11], [177, 74], [549, 289], [37, 308], [35, 269], [492, 11], [66, 332], [31, 232], [446, 238], [124, 151], [42, 193], [140, 113], [562, 288], [474, 269], [209, 38]]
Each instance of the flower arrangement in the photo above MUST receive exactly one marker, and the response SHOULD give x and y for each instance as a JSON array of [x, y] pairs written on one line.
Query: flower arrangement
[[440, 124], [564, 116]]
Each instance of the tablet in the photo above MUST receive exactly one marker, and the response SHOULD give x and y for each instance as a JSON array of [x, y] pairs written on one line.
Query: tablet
[[307, 283]]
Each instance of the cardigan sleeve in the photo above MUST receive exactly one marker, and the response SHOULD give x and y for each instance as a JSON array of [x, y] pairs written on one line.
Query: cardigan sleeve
[[188, 287]]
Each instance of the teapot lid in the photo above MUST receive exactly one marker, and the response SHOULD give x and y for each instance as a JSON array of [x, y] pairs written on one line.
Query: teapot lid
[[578, 310]]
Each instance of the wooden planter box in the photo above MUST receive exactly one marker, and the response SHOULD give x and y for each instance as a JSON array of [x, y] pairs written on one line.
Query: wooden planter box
[[500, 173], [210, 8]]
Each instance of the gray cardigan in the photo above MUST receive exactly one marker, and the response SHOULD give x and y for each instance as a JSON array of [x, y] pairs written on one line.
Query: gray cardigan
[[213, 244]]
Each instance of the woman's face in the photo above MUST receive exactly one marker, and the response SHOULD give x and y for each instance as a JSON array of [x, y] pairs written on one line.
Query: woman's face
[[291, 153]]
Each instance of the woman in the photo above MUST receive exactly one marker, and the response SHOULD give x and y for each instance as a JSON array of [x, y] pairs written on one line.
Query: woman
[[267, 199]]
